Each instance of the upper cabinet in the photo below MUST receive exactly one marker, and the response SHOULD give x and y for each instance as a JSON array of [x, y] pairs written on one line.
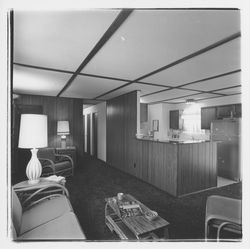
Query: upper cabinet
[[208, 114], [225, 111], [237, 110], [143, 112]]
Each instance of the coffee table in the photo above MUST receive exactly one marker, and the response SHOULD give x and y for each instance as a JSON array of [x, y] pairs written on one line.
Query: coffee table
[[137, 226]]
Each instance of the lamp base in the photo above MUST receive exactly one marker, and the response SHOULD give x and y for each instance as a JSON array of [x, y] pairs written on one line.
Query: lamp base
[[63, 142], [34, 168]]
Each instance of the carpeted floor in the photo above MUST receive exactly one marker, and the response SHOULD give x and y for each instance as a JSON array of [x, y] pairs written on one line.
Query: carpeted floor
[[96, 181]]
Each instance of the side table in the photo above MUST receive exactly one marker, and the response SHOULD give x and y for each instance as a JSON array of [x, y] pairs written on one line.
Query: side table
[[69, 151], [44, 187]]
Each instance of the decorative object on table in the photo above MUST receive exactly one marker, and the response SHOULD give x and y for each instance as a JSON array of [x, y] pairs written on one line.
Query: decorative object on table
[[54, 163], [151, 215], [33, 135], [155, 125], [55, 178], [63, 130], [119, 196]]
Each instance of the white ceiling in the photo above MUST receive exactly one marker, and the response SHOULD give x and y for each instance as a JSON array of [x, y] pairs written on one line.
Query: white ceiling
[[146, 41]]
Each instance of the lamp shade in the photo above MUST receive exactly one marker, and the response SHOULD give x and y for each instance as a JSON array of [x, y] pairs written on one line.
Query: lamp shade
[[33, 131], [62, 127]]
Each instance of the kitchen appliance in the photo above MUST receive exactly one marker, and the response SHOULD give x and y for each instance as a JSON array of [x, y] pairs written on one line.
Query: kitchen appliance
[[228, 133]]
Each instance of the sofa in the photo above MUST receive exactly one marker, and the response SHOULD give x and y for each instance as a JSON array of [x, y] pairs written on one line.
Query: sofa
[[49, 217]]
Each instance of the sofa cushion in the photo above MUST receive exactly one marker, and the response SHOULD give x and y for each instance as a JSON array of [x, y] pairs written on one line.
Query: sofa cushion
[[64, 227], [43, 212]]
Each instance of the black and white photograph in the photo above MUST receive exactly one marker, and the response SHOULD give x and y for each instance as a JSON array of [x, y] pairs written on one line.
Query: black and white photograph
[[125, 125]]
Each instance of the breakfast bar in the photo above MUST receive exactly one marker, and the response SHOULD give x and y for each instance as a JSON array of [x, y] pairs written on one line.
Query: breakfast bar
[[177, 167]]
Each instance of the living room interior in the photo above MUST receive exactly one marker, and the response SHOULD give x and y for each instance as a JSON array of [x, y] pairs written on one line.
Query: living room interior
[[140, 102]]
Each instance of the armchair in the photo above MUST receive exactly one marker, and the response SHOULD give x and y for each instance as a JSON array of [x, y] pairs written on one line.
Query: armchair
[[55, 164], [223, 213]]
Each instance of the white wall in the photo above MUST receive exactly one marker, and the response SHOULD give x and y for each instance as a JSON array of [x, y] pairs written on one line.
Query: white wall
[[101, 129], [158, 112]]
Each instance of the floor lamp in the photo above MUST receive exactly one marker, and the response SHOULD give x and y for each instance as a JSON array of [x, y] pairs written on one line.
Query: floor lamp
[[33, 135]]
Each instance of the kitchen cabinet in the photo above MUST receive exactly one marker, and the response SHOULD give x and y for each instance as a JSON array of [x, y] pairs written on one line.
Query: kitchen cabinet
[[208, 114], [237, 110], [143, 112], [174, 117], [225, 111]]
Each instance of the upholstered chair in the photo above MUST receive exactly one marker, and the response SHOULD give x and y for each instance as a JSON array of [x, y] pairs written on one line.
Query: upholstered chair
[[55, 164]]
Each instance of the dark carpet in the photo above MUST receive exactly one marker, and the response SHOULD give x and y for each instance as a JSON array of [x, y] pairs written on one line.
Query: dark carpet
[[95, 181]]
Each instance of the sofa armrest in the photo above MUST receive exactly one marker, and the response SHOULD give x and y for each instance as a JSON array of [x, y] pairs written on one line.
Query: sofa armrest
[[40, 191]]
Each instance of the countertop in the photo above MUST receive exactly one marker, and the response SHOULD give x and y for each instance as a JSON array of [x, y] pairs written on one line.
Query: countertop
[[174, 141]]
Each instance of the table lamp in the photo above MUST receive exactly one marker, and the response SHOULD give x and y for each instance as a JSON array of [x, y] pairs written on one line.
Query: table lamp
[[33, 134], [63, 130]]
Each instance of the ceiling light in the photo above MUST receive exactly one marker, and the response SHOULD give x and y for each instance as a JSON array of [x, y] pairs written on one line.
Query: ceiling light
[[190, 101], [123, 38]]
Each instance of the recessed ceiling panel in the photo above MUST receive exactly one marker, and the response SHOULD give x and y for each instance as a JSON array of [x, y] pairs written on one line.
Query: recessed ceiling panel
[[150, 39], [58, 39], [222, 59], [234, 90], [38, 82], [222, 82], [90, 87], [144, 89], [171, 94]]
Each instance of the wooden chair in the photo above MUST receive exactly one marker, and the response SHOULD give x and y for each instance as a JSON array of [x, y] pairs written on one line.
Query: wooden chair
[[223, 213], [55, 164]]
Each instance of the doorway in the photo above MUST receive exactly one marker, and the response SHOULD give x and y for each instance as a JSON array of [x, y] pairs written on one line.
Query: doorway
[[88, 134], [94, 132]]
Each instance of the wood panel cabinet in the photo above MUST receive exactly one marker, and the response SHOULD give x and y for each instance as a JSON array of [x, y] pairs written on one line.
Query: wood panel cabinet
[[208, 114]]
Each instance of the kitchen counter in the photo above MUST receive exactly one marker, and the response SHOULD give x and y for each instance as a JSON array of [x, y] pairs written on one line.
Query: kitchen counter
[[176, 166], [173, 141]]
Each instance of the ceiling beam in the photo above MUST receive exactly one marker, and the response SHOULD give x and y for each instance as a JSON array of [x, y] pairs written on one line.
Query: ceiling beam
[[182, 102], [194, 82], [123, 15], [86, 74], [194, 94], [185, 58]]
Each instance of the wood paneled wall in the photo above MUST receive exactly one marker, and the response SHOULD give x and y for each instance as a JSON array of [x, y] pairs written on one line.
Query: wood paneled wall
[[175, 168], [60, 109], [121, 130], [197, 167]]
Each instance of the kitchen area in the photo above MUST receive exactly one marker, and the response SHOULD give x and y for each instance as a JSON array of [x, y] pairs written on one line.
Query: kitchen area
[[192, 146]]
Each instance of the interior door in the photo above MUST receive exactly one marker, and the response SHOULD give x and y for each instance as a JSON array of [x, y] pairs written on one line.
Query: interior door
[[94, 130], [88, 133]]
